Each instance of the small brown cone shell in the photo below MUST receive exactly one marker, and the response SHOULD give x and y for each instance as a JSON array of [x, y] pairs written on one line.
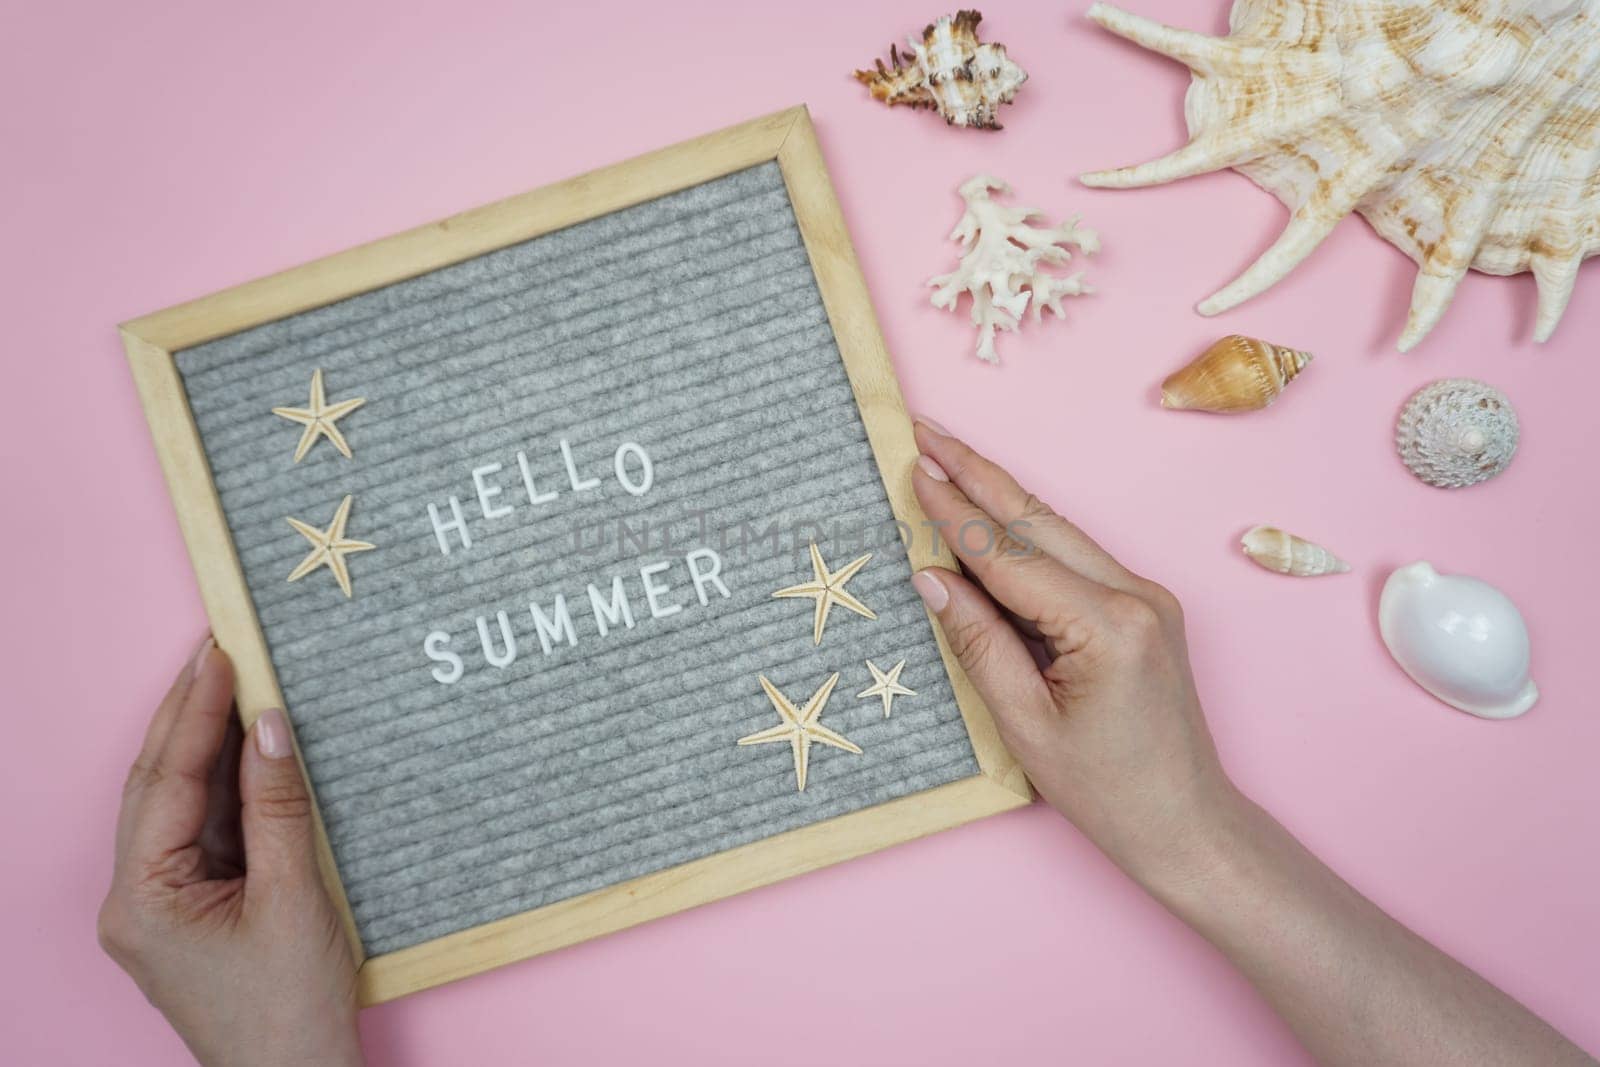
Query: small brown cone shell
[[1236, 374]]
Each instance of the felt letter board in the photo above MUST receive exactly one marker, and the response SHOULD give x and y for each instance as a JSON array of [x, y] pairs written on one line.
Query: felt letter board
[[601, 425]]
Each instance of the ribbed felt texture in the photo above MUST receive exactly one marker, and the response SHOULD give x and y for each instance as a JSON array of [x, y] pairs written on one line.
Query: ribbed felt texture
[[690, 325]]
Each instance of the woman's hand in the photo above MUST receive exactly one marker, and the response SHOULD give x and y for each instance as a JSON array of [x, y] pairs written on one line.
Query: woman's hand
[[216, 908], [1110, 732]]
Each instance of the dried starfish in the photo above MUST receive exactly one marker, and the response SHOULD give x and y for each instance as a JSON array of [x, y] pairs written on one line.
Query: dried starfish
[[319, 419], [800, 728], [828, 589], [329, 547], [886, 685]]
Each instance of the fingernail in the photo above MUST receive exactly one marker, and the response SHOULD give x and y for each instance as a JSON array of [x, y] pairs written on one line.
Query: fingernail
[[198, 663], [934, 426], [931, 590], [931, 468], [272, 734]]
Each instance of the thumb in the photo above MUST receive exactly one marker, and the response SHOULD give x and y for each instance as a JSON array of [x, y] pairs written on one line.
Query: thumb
[[275, 814], [991, 652]]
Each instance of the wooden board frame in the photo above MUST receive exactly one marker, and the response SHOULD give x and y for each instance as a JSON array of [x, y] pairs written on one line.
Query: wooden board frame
[[788, 138]]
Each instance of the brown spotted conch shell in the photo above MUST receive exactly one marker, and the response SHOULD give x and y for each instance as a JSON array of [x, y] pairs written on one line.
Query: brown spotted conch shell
[[949, 71], [1285, 553], [1464, 132], [1234, 375], [1457, 432]]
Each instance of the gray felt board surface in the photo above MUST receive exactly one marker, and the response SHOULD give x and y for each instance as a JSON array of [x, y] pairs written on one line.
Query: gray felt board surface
[[689, 326]]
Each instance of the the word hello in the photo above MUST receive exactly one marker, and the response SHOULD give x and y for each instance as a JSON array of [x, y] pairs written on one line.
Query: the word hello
[[630, 465]]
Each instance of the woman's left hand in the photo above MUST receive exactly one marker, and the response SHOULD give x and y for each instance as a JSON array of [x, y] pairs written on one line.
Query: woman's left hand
[[216, 907]]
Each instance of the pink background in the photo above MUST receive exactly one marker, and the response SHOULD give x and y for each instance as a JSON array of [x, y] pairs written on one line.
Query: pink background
[[157, 152]]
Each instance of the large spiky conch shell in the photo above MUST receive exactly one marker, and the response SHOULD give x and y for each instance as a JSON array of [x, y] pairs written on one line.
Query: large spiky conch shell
[[1465, 133], [1236, 374], [1457, 432], [1284, 553], [950, 71]]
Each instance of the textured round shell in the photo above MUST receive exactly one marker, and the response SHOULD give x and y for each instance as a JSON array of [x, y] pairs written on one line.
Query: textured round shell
[[1457, 432]]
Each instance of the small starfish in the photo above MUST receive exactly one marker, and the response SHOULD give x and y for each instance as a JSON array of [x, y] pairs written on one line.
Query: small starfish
[[319, 419], [330, 546], [828, 590], [886, 686], [800, 728]]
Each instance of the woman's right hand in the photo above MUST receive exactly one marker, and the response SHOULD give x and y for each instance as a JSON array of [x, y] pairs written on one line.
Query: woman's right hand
[[1110, 732]]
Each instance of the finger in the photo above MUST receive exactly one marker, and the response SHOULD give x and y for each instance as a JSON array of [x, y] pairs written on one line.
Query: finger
[[155, 735], [220, 837], [171, 808], [276, 812], [990, 651], [997, 493], [1029, 631], [195, 739], [1037, 587]]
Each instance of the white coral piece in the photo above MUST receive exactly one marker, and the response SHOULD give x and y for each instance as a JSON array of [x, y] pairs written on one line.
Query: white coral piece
[[1003, 258]]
